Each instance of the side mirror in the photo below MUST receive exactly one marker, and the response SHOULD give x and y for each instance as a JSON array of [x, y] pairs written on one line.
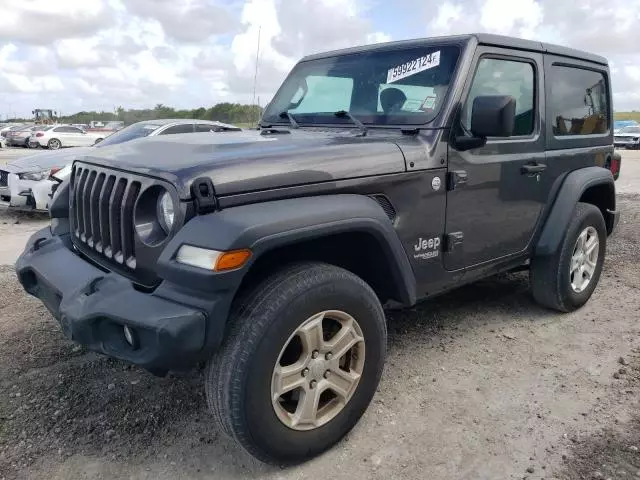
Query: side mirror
[[493, 116]]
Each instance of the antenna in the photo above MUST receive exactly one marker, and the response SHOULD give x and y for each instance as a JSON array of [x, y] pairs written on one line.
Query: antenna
[[255, 75]]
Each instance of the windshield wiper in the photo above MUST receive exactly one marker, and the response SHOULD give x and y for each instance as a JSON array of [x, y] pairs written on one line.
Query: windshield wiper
[[356, 122], [291, 118]]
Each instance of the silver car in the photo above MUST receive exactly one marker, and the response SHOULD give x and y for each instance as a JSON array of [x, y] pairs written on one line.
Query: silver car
[[627, 137]]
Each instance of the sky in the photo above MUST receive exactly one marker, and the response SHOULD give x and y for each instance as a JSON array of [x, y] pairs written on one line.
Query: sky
[[73, 55]]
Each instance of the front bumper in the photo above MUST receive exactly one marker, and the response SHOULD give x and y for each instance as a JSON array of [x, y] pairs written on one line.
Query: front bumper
[[625, 143], [18, 194], [93, 306]]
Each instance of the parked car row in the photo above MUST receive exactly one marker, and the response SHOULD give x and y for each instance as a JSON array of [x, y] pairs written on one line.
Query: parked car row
[[28, 183]]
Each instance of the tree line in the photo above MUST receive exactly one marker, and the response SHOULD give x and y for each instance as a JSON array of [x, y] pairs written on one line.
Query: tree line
[[235, 113]]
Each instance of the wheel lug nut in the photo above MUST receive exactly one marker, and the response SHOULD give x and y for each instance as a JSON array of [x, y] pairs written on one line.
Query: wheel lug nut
[[315, 354], [313, 384], [329, 356], [327, 374], [305, 372]]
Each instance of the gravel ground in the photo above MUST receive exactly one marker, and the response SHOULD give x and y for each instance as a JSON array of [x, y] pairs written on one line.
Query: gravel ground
[[480, 383]]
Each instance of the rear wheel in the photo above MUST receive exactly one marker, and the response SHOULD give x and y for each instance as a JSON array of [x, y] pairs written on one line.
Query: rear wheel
[[54, 144], [566, 280], [301, 362]]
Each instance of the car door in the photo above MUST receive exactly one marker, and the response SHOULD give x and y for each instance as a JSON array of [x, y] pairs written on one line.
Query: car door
[[62, 134], [77, 137], [496, 192]]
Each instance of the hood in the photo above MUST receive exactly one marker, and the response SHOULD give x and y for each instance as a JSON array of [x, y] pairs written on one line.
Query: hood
[[245, 161], [47, 159]]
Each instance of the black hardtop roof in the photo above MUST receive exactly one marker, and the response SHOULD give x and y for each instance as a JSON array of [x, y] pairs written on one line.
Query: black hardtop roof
[[481, 38]]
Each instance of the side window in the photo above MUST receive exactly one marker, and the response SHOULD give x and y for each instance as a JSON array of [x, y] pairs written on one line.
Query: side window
[[579, 101], [505, 77], [73, 130], [203, 127], [62, 130], [324, 94], [182, 128]]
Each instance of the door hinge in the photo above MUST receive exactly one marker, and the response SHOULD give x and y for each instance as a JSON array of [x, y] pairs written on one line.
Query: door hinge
[[456, 178], [452, 241]]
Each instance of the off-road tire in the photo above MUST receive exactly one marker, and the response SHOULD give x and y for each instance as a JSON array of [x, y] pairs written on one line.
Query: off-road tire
[[549, 276], [238, 377]]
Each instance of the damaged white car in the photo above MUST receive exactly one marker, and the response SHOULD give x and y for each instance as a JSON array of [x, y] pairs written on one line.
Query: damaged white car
[[27, 183]]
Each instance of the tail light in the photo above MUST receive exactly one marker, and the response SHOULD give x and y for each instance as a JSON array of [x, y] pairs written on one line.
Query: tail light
[[39, 134], [615, 165]]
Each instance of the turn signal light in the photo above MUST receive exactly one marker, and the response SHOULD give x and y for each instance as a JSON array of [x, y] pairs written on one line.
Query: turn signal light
[[232, 260], [212, 259]]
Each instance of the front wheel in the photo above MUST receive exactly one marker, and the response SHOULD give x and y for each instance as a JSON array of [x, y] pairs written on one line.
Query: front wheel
[[566, 280], [301, 362]]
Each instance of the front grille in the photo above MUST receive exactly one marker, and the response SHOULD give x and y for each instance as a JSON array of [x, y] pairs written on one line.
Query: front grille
[[4, 178], [102, 203]]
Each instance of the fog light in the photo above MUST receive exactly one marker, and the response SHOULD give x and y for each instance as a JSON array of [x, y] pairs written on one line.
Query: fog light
[[130, 336]]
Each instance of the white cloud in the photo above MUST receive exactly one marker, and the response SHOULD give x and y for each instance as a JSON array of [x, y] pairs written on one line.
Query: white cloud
[[511, 17], [88, 54], [44, 21]]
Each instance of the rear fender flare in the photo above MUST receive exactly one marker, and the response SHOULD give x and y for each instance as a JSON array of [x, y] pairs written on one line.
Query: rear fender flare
[[574, 186]]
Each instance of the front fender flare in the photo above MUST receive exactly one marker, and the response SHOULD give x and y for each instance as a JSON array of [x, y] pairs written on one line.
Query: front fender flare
[[264, 226]]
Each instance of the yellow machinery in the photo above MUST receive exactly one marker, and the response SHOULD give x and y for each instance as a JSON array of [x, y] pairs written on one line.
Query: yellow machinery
[[43, 117]]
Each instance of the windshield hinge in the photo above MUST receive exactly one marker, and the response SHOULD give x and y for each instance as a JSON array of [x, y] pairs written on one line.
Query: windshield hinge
[[205, 195]]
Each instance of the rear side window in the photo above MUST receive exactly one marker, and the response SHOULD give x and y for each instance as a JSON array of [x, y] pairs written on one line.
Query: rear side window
[[203, 127], [505, 77], [579, 101], [182, 128]]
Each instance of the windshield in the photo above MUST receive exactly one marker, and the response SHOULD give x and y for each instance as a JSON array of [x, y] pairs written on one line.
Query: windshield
[[137, 130], [630, 130], [378, 87]]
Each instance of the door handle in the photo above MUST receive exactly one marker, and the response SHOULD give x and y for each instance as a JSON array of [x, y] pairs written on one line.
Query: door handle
[[533, 168]]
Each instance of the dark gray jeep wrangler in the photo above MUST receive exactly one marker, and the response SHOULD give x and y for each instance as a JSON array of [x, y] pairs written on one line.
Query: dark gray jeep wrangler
[[380, 176]]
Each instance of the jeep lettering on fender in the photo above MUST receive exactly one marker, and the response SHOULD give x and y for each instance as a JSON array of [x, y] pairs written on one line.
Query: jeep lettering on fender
[[269, 254], [426, 249]]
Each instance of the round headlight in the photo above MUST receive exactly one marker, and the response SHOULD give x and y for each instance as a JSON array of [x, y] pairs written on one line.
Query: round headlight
[[166, 214]]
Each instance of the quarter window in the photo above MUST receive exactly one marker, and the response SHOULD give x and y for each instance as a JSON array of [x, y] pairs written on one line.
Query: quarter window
[[505, 77], [579, 101]]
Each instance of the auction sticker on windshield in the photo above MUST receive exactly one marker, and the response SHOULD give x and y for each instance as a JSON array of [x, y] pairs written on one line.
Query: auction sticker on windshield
[[414, 66]]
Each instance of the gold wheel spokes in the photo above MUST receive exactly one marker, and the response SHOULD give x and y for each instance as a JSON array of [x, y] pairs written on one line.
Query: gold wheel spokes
[[318, 370]]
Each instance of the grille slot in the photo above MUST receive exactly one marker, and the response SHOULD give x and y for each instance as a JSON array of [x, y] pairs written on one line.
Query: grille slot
[[4, 178], [102, 205]]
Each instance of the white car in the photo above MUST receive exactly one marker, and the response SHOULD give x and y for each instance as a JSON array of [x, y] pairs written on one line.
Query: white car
[[26, 183], [65, 136], [627, 137]]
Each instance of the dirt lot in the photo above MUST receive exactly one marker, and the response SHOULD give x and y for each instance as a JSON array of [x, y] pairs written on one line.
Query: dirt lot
[[480, 384]]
